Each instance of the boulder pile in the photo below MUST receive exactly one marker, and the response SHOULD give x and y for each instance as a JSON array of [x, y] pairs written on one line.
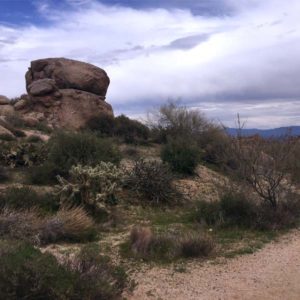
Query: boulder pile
[[62, 92]]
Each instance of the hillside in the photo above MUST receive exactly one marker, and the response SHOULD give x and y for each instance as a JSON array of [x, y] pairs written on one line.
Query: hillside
[[267, 133]]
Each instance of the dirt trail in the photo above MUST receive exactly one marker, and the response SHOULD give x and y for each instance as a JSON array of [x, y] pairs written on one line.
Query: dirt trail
[[271, 273]]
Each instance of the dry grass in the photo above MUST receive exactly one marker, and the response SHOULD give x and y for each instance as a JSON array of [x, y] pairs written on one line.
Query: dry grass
[[168, 246], [70, 223]]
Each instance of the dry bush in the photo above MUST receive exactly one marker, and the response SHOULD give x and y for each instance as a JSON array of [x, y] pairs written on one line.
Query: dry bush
[[69, 223], [193, 244], [23, 225], [168, 246], [140, 239]]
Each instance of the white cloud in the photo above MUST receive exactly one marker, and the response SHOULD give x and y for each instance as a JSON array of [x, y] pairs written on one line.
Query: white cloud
[[244, 59]]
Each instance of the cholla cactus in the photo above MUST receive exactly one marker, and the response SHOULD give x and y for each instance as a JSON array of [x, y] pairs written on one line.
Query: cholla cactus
[[96, 185]]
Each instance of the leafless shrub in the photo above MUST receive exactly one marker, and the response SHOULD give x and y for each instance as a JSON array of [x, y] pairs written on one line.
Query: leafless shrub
[[263, 164]]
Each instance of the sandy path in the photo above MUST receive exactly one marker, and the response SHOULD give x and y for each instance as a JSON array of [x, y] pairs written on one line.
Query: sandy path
[[271, 273]]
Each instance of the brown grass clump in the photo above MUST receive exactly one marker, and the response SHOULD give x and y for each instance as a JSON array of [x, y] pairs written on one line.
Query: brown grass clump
[[70, 223], [168, 246], [140, 239], [196, 245]]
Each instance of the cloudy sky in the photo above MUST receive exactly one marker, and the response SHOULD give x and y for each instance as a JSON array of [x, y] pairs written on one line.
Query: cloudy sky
[[221, 56]]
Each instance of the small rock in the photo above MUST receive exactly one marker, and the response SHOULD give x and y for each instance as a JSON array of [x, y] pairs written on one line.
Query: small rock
[[41, 87], [20, 104], [6, 110], [6, 133], [3, 100], [30, 121]]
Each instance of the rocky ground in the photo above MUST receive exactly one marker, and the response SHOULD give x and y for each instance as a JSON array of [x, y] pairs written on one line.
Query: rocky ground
[[271, 273]]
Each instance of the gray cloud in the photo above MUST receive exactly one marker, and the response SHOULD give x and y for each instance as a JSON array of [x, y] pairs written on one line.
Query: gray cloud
[[221, 65]]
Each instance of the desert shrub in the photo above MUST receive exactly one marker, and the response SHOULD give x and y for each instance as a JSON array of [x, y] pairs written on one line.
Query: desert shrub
[[44, 174], [68, 224], [3, 175], [26, 273], [181, 155], [7, 137], [15, 120], [104, 124], [23, 154], [196, 245], [167, 246], [132, 131], [208, 213], [95, 187], [98, 277], [71, 148], [286, 215], [43, 127], [26, 198], [34, 139], [237, 209], [152, 182], [233, 209], [20, 225]]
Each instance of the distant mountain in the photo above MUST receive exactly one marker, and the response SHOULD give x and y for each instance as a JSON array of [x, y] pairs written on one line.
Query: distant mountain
[[267, 133]]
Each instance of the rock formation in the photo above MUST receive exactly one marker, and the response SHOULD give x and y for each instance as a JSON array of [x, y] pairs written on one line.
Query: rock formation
[[63, 92]]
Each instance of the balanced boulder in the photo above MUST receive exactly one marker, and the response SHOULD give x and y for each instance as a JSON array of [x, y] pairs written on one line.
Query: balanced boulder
[[69, 74]]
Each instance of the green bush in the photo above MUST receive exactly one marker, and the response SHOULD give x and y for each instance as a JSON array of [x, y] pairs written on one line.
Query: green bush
[[237, 209], [132, 131], [208, 213], [27, 198], [44, 174], [181, 155], [26, 273], [104, 124], [71, 148], [233, 209], [152, 182]]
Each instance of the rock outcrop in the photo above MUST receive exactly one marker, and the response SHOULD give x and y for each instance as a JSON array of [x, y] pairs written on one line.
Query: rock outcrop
[[62, 92]]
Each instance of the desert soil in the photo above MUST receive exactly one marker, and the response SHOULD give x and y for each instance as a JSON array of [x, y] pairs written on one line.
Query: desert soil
[[271, 273]]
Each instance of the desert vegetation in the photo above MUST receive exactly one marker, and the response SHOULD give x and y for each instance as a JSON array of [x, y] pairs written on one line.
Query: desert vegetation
[[121, 194]]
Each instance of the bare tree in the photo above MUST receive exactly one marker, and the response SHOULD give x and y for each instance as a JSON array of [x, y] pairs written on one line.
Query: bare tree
[[262, 163]]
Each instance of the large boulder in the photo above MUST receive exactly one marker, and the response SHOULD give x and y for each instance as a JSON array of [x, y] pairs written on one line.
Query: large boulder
[[73, 109], [62, 93], [69, 74]]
